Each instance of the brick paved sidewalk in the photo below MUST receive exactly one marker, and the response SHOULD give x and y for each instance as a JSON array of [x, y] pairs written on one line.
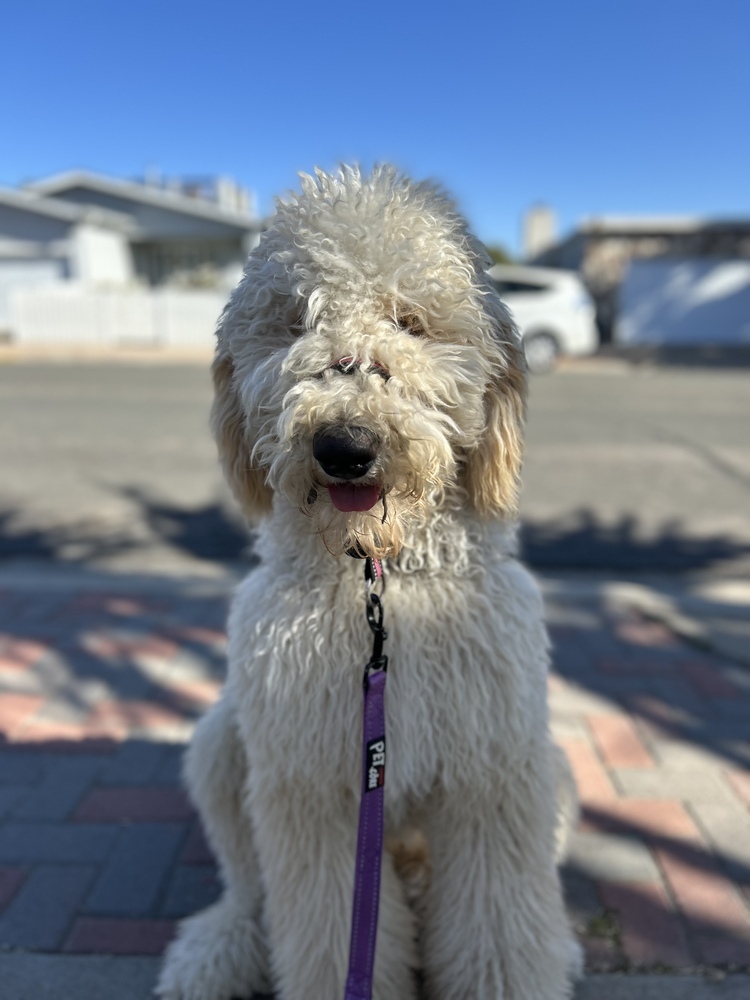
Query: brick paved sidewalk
[[658, 734], [101, 682]]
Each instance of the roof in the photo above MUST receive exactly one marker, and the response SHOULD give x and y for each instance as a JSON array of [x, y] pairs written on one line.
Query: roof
[[30, 201], [636, 225], [145, 194]]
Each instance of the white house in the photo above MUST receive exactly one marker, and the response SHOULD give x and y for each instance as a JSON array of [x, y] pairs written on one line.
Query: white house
[[45, 241], [95, 260], [187, 233]]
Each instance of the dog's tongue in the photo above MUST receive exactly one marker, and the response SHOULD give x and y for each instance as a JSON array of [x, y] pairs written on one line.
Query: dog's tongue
[[346, 497]]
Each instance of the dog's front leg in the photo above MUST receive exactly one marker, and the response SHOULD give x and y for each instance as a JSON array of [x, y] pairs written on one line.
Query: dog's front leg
[[221, 953], [306, 842], [495, 924]]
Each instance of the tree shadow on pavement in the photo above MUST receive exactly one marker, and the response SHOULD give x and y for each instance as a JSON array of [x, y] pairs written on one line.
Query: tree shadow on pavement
[[209, 533], [215, 533], [584, 541], [212, 532], [108, 659], [626, 924]]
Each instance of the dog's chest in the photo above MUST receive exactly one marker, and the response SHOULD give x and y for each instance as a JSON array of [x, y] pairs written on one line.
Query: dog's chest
[[457, 692]]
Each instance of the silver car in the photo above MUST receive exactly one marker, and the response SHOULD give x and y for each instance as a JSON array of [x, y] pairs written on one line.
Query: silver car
[[554, 311]]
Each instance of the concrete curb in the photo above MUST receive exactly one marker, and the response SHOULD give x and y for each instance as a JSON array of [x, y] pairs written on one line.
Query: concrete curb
[[622, 987], [71, 354], [26, 976]]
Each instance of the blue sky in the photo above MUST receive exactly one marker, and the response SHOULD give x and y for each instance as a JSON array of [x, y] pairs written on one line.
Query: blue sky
[[593, 106]]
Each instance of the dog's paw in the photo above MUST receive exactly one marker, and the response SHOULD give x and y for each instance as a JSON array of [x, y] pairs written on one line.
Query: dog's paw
[[218, 954]]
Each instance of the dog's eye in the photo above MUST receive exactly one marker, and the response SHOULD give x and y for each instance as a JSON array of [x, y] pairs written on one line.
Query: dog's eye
[[411, 325]]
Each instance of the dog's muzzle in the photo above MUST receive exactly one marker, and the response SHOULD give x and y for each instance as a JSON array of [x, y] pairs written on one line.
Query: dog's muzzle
[[345, 452]]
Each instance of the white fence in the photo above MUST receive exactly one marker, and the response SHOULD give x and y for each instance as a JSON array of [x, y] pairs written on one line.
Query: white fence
[[72, 317]]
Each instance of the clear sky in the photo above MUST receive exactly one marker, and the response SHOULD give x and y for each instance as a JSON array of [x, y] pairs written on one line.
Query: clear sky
[[593, 106]]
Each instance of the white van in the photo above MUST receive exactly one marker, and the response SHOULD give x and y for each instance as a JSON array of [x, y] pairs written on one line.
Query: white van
[[554, 311]]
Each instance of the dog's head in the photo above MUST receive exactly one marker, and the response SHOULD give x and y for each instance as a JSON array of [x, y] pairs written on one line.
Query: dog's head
[[366, 369]]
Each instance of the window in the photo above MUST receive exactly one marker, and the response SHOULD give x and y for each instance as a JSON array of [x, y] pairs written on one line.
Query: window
[[506, 287]]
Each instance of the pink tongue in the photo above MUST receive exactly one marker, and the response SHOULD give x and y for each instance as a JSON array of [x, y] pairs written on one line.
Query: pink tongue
[[347, 498]]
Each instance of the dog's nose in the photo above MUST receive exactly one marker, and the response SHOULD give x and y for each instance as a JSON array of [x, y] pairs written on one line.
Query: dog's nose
[[345, 452]]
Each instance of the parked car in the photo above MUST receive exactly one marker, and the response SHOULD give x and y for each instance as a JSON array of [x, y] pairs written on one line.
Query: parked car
[[554, 311]]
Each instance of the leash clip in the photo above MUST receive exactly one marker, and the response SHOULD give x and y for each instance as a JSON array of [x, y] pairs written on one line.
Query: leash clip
[[374, 610]]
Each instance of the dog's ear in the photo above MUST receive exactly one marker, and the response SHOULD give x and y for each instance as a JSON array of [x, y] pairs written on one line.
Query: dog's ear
[[234, 441], [493, 468]]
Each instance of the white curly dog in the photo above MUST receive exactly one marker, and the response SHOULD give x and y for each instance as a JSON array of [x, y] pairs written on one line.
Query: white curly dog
[[369, 400]]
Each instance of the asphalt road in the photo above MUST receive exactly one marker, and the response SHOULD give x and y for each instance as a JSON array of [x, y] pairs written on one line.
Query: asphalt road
[[626, 469], [639, 468]]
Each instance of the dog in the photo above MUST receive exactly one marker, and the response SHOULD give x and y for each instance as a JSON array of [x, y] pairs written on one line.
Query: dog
[[369, 401]]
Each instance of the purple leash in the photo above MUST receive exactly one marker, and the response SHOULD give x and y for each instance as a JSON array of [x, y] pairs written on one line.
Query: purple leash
[[371, 806]]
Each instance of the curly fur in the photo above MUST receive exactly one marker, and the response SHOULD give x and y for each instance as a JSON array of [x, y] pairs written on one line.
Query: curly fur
[[359, 277]]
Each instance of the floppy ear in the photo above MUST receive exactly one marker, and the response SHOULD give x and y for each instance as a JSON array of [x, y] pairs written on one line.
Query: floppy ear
[[493, 468], [229, 426]]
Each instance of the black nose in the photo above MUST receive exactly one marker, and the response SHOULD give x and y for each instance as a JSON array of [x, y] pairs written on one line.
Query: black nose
[[345, 452]]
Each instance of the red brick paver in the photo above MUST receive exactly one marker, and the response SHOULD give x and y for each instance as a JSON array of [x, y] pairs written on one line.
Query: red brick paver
[[594, 784], [11, 880], [124, 717], [706, 897], [740, 781], [41, 731], [191, 692], [197, 850], [19, 653], [641, 632], [119, 805], [113, 645], [618, 741], [91, 935], [16, 709], [651, 930], [654, 818], [709, 681]]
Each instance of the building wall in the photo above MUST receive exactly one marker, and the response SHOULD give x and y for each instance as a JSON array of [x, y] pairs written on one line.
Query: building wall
[[34, 250], [39, 250], [20, 224], [568, 254], [190, 263], [101, 256]]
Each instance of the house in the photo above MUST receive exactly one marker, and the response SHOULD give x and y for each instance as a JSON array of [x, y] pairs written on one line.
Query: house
[[184, 233], [46, 241], [89, 259], [602, 249]]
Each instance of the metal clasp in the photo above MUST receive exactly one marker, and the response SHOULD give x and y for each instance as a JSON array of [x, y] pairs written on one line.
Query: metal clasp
[[375, 589]]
